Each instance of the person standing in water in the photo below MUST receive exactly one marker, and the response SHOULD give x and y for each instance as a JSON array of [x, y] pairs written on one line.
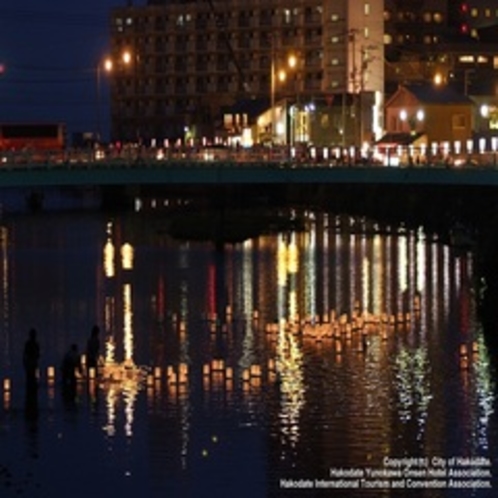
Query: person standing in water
[[93, 349], [71, 366], [31, 357]]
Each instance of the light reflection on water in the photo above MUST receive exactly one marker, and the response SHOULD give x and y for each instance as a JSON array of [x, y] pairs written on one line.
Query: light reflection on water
[[279, 358]]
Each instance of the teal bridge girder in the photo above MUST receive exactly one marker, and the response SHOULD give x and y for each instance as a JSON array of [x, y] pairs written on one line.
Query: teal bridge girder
[[184, 172]]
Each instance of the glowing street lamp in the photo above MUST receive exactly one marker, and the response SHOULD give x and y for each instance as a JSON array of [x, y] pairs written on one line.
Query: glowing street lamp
[[106, 66], [484, 110], [126, 57], [292, 61], [280, 76], [130, 59], [438, 79]]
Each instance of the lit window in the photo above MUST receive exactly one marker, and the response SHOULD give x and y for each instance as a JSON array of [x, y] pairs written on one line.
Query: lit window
[[487, 12], [438, 17], [481, 59], [335, 61], [474, 12], [366, 32], [334, 17], [335, 39], [427, 17], [495, 62], [367, 9]]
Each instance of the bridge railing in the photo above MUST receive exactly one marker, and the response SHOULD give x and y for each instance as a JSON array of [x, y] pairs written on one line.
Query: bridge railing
[[283, 156]]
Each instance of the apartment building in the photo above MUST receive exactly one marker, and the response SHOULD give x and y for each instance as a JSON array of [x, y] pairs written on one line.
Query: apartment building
[[177, 64], [454, 42]]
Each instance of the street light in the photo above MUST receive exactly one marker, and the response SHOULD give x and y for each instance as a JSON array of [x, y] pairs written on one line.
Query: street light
[[117, 62], [131, 59], [292, 62], [126, 57], [272, 90], [106, 66], [277, 77], [438, 79]]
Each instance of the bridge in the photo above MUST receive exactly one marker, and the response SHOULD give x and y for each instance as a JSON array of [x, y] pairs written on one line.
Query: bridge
[[177, 172], [433, 193]]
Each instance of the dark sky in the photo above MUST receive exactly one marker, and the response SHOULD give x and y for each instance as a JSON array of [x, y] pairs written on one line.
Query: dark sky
[[49, 54]]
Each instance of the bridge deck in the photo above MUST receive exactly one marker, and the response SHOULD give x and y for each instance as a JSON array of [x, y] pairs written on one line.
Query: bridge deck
[[180, 172]]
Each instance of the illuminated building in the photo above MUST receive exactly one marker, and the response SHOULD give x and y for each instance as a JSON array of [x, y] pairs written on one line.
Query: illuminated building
[[186, 60], [455, 42]]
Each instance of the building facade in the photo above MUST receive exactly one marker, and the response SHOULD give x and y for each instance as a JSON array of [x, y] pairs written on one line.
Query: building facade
[[176, 64], [453, 42], [439, 113]]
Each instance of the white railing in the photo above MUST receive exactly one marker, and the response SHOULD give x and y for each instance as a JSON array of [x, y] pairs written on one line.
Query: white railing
[[231, 156]]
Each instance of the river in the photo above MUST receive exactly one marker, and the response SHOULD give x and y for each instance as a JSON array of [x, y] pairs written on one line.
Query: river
[[346, 359]]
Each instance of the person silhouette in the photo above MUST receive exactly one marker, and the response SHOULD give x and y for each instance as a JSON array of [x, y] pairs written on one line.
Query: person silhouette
[[31, 357], [71, 363], [93, 349]]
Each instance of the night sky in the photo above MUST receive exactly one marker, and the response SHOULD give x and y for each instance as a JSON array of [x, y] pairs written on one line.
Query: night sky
[[49, 54]]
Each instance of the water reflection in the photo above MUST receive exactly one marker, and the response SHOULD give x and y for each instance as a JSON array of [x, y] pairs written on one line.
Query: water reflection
[[413, 387], [296, 352], [290, 369]]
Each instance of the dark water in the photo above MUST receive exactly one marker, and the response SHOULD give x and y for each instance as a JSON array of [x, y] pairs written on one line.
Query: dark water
[[326, 358]]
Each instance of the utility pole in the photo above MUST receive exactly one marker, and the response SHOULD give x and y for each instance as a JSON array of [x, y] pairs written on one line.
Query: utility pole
[[365, 61], [354, 75], [466, 81], [272, 89]]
